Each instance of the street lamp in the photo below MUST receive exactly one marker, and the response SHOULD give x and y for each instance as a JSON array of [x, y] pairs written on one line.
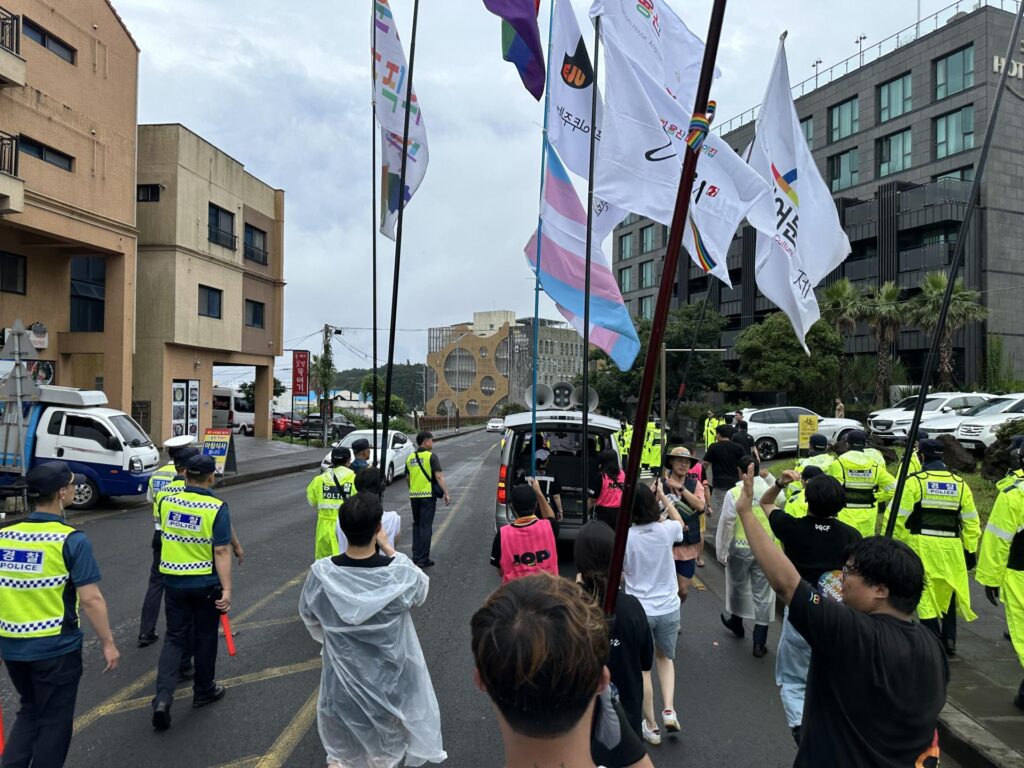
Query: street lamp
[[816, 64], [859, 42]]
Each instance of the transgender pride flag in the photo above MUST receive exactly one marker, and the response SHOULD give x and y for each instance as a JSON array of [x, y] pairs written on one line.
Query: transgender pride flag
[[562, 267]]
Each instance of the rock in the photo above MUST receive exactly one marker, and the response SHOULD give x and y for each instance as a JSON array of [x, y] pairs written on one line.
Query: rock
[[996, 462], [956, 457], [888, 453]]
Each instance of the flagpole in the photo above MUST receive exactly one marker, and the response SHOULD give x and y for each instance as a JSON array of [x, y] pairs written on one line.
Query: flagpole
[[536, 282], [585, 445], [650, 369], [382, 446], [373, 196], [689, 356], [958, 254]]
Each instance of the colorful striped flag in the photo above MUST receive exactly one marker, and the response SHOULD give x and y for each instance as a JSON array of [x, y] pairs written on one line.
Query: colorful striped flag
[[562, 268], [520, 40]]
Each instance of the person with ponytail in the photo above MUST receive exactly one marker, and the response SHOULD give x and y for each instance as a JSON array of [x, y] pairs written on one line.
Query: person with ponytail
[[606, 488]]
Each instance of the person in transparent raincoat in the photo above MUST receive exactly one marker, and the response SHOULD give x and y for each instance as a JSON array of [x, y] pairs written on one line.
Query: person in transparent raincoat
[[377, 704]]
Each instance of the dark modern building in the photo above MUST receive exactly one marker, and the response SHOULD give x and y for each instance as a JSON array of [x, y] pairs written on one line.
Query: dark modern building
[[897, 139]]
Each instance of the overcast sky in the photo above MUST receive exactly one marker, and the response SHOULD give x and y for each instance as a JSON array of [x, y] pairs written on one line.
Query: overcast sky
[[284, 88]]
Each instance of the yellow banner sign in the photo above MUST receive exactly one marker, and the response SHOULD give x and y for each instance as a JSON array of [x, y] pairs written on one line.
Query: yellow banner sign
[[808, 426]]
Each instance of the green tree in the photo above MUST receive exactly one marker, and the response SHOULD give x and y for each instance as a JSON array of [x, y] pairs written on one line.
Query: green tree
[[321, 374], [884, 312], [406, 381], [398, 404], [248, 389], [842, 304], [964, 309], [771, 358]]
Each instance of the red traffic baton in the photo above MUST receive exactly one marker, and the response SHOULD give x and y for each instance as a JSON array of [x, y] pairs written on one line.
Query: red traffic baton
[[225, 624]]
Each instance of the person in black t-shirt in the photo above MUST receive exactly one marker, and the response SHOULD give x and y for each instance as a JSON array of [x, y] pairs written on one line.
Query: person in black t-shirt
[[723, 457], [742, 438], [817, 545], [877, 679]]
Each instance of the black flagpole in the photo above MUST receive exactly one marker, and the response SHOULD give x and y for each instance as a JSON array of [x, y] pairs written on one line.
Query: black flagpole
[[958, 254], [650, 369], [382, 447], [689, 356], [373, 197], [586, 270]]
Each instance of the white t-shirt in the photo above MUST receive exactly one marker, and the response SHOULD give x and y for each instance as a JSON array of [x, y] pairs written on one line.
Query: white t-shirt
[[390, 522], [649, 570]]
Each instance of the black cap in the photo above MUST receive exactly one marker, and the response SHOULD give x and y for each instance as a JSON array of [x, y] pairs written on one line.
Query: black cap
[[818, 440], [811, 471], [523, 498], [182, 456], [857, 437], [360, 445], [48, 478], [201, 465], [339, 454], [922, 434], [933, 448]]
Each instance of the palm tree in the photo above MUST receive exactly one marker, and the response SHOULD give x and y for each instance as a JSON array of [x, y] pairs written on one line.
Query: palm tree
[[842, 304], [884, 312], [964, 309]]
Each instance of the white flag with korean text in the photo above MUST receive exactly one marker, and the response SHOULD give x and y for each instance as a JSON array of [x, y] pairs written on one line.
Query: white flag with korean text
[[799, 239], [390, 86]]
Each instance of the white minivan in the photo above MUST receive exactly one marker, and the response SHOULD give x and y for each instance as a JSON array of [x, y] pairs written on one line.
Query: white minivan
[[231, 409]]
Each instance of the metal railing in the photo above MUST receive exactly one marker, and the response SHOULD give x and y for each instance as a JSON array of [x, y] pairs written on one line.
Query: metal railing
[[902, 38], [10, 31], [223, 237], [935, 193], [252, 253], [8, 154]]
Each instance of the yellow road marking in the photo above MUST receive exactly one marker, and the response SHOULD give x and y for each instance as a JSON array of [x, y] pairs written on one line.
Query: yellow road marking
[[232, 682], [699, 585], [236, 627], [290, 737], [242, 616]]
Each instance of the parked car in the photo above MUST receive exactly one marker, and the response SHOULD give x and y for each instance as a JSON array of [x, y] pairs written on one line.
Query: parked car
[[400, 449], [947, 425], [495, 425], [777, 430], [979, 433], [285, 423], [563, 435], [890, 425], [314, 426], [231, 409]]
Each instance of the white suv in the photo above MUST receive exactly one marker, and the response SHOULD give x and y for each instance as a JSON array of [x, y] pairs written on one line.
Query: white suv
[[776, 430], [979, 433], [890, 425], [947, 425]]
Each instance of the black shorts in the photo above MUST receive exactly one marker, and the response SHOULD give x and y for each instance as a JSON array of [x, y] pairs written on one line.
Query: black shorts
[[686, 568]]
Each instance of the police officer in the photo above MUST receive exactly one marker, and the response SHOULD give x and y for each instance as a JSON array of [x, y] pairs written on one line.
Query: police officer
[[1015, 473], [938, 520], [327, 492], [652, 447], [623, 437], [867, 483], [796, 501], [166, 478], [47, 569], [360, 454], [915, 456], [195, 560], [1001, 564], [422, 469], [817, 456], [711, 425]]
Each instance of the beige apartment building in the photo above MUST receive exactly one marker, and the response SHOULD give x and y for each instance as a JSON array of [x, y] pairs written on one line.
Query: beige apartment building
[[68, 84], [211, 280]]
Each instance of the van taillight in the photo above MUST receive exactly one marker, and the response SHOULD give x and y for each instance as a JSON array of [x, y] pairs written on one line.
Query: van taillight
[[231, 417], [502, 475]]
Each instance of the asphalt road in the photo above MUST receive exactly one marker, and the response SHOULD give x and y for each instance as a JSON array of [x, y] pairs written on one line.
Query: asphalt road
[[726, 700]]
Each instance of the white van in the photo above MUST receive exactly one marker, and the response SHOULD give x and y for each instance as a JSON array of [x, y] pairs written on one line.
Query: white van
[[231, 409]]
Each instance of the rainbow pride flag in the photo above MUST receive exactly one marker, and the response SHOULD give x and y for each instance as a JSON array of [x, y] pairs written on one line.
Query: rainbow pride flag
[[520, 40]]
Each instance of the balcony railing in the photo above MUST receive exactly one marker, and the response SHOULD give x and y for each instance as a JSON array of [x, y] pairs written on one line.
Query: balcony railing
[[252, 253], [933, 256], [8, 154], [223, 237], [935, 193], [10, 31]]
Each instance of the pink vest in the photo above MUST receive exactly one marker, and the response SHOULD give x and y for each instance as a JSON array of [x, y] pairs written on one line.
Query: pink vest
[[528, 550], [611, 491]]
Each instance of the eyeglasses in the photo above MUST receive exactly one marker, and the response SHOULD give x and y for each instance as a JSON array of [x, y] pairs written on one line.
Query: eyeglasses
[[850, 568]]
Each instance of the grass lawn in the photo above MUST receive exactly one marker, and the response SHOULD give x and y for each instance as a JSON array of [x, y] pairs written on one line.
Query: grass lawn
[[983, 490]]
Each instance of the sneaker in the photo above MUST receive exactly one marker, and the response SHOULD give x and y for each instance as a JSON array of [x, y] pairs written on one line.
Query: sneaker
[[215, 695], [668, 717], [651, 735], [733, 623]]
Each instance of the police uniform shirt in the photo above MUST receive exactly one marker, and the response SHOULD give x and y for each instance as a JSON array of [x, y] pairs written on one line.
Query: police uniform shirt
[[221, 538], [82, 566]]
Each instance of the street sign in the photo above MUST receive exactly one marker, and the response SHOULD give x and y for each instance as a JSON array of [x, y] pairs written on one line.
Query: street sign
[[300, 373], [218, 444], [808, 426]]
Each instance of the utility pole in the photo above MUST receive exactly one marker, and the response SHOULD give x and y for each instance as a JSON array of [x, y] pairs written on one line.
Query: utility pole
[[324, 358]]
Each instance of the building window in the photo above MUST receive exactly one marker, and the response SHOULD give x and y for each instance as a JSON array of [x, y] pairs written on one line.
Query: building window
[[255, 244], [147, 193], [626, 246], [894, 98], [12, 273], [222, 227], [893, 153], [53, 44], [33, 148], [954, 132], [954, 73], [210, 300], [961, 174], [844, 119], [626, 279], [88, 293], [843, 170], [807, 124], [647, 274], [254, 311], [645, 307], [647, 239]]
